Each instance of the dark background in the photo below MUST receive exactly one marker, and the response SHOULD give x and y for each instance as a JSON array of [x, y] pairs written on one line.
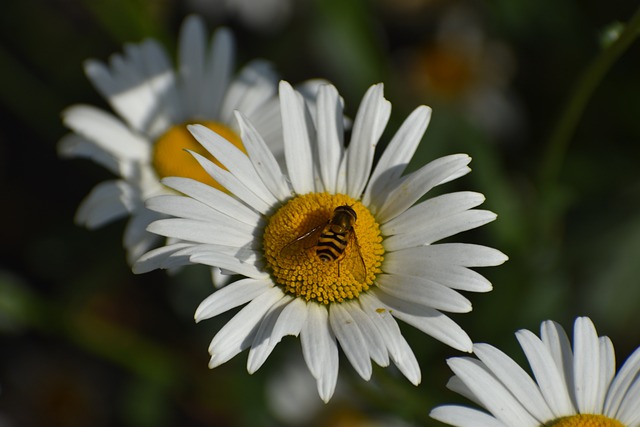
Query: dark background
[[83, 341]]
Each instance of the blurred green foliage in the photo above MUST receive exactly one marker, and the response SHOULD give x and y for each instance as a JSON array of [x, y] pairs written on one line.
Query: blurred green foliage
[[85, 342]]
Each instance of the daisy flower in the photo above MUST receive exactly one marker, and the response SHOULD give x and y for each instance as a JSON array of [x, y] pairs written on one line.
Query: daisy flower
[[153, 102], [265, 16], [464, 68], [573, 387], [332, 250]]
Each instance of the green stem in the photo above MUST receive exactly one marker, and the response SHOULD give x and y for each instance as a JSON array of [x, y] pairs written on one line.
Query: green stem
[[562, 134]]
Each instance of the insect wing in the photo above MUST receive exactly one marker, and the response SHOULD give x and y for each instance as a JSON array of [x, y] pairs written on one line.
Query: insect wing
[[303, 242], [354, 259]]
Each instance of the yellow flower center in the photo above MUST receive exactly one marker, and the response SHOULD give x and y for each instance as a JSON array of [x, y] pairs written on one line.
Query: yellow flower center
[[449, 72], [586, 420], [323, 247], [171, 159]]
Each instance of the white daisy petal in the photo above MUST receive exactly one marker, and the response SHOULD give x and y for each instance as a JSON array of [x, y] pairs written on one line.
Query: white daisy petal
[[162, 80], [229, 262], [456, 385], [290, 321], [351, 339], [220, 278], [268, 123], [239, 332], [234, 160], [160, 258], [549, 378], [370, 121], [297, 143], [397, 155], [494, 396], [310, 90], [607, 371], [451, 276], [74, 145], [254, 86], [267, 119], [463, 254], [496, 383], [262, 345], [263, 160], [627, 375], [191, 54], [330, 136], [428, 320], [246, 254], [399, 350], [107, 201], [423, 291], [241, 190], [151, 70], [433, 209], [559, 346], [190, 208], [219, 66], [314, 331], [320, 350], [464, 417], [106, 131], [407, 190], [432, 231], [124, 88], [586, 365], [629, 411], [375, 343], [404, 358], [221, 232], [231, 296], [213, 198], [515, 379], [136, 239]]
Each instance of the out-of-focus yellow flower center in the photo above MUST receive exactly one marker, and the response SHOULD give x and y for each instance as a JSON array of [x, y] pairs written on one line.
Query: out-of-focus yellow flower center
[[447, 71], [171, 159], [585, 420], [322, 254]]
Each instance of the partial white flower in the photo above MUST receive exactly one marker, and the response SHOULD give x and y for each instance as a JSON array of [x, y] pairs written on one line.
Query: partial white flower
[[259, 15], [290, 396], [573, 386], [332, 249], [154, 102], [462, 66]]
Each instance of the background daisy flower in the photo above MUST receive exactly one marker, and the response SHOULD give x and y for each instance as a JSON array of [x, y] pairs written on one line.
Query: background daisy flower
[[334, 250], [463, 68], [154, 102], [573, 386]]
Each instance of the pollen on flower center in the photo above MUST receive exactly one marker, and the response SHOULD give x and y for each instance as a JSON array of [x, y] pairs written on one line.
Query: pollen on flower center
[[171, 159], [323, 247], [586, 420]]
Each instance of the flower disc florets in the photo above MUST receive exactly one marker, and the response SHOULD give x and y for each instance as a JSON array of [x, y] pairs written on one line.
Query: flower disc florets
[[586, 420], [301, 228]]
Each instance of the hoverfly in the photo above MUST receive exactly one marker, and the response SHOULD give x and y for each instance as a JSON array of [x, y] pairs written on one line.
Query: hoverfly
[[330, 240]]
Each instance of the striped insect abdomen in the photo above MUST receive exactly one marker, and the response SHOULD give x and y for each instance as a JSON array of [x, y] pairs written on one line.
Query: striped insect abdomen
[[332, 243]]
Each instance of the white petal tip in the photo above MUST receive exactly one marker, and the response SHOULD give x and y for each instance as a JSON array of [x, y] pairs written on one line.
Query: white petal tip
[[326, 398], [285, 85]]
